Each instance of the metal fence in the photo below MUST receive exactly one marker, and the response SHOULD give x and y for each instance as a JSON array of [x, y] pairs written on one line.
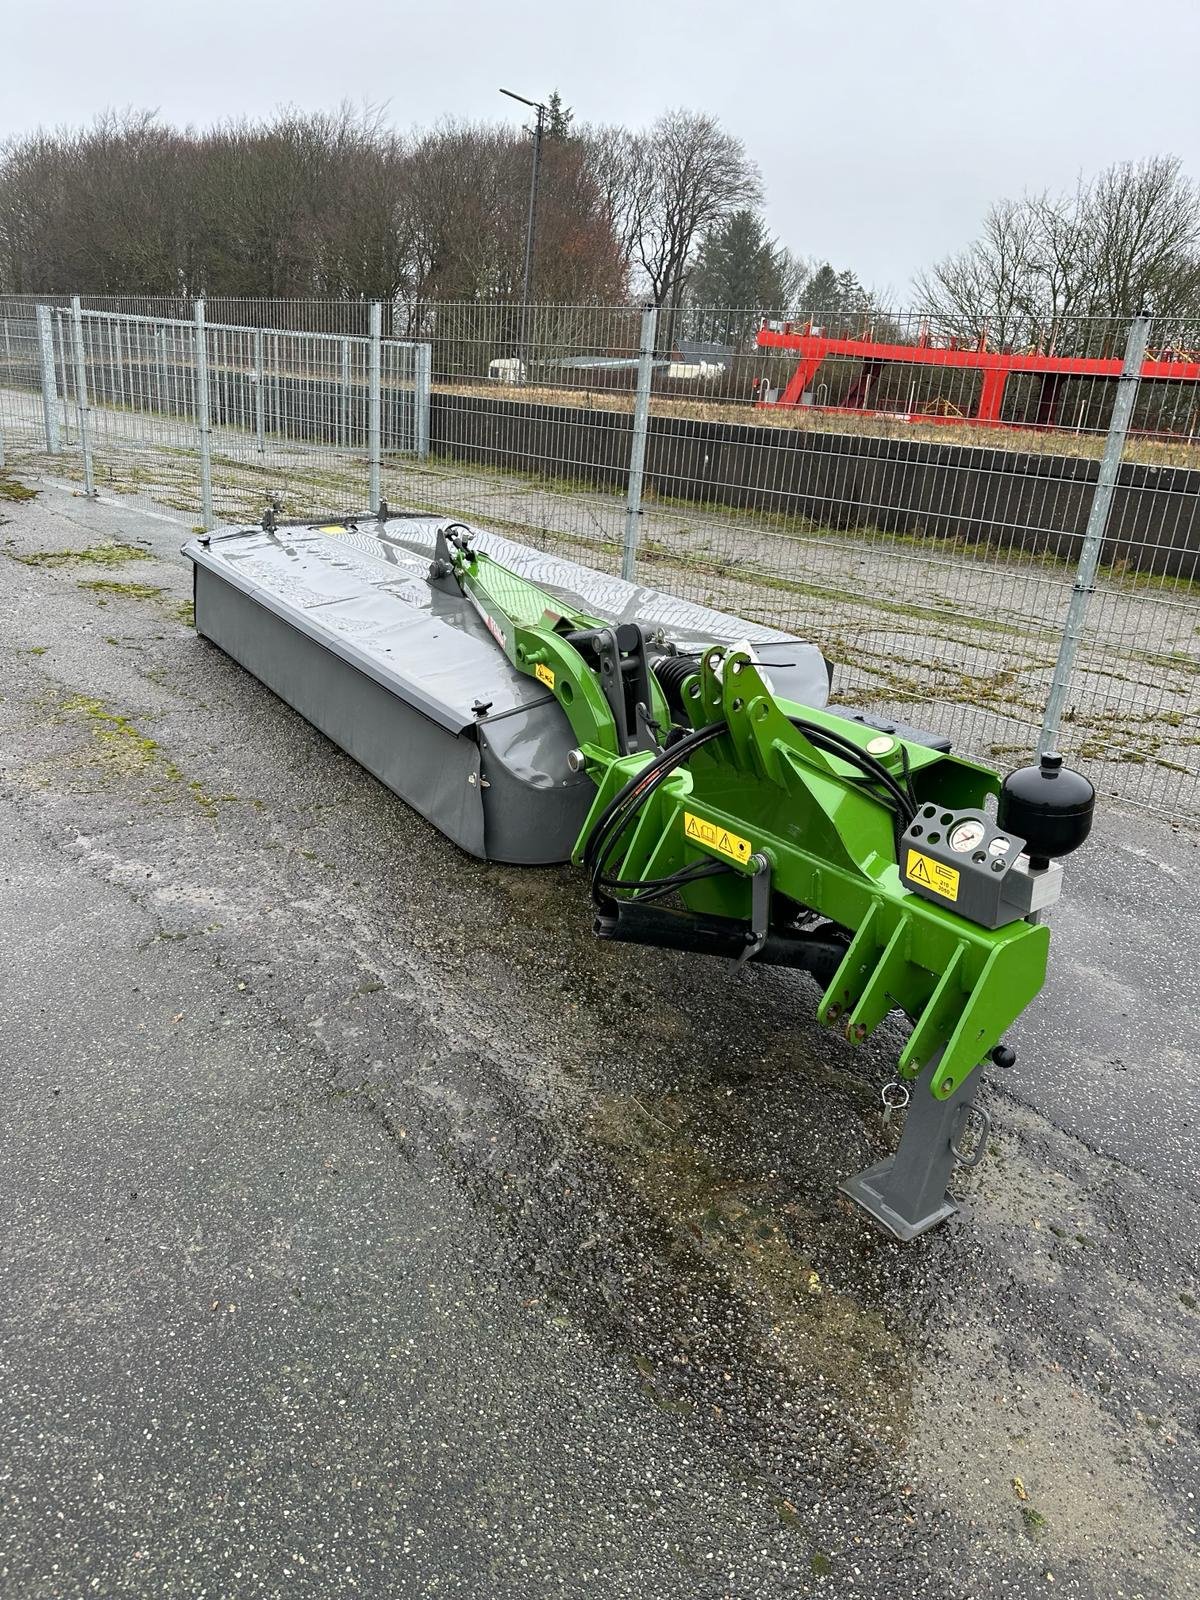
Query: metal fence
[[994, 536], [211, 418]]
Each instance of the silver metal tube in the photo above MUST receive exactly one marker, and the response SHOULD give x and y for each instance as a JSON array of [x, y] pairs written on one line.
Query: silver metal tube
[[422, 398], [1097, 526], [83, 408], [374, 408], [61, 343], [344, 397], [49, 379], [203, 427], [116, 350], [637, 452], [260, 383], [160, 353], [277, 418]]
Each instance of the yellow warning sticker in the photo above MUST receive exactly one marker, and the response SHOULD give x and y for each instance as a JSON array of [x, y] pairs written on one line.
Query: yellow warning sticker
[[932, 874], [716, 838], [544, 675]]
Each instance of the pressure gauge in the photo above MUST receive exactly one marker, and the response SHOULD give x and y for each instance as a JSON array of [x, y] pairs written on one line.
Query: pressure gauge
[[966, 835]]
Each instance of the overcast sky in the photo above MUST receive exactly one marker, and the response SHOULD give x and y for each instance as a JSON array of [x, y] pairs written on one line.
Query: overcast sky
[[883, 127]]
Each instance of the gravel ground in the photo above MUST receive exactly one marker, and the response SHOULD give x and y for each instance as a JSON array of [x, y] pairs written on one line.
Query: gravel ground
[[373, 1231]]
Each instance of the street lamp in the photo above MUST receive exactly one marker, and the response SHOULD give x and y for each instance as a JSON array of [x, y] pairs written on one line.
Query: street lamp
[[538, 129]]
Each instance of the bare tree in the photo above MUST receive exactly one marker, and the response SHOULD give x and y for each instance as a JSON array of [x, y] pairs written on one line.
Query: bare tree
[[688, 175], [339, 204], [615, 157], [1141, 231], [1048, 269]]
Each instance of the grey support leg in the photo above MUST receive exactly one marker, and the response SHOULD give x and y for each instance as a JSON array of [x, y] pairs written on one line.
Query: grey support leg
[[906, 1193]]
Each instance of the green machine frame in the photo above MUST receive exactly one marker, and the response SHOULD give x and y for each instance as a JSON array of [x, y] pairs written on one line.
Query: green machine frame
[[733, 822]]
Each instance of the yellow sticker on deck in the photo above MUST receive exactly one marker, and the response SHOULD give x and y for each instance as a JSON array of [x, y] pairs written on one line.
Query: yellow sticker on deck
[[544, 675], [716, 837], [932, 874]]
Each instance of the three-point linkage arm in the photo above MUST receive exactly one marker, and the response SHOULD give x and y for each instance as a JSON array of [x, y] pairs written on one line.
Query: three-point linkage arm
[[733, 822]]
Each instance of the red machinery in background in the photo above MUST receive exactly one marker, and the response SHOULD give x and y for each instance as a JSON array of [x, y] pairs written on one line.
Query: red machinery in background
[[995, 366]]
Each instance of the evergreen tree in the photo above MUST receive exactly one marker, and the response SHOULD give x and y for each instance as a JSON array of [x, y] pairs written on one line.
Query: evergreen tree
[[738, 265], [559, 117], [821, 295]]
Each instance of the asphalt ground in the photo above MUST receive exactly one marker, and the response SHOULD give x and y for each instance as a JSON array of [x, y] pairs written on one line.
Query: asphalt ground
[[371, 1230]]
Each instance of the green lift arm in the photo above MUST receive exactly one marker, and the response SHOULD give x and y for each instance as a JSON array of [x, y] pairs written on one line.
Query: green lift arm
[[734, 822]]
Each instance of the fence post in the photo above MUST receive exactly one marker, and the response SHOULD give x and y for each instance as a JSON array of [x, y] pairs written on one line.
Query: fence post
[[61, 346], [1097, 526], [260, 398], [203, 428], [344, 397], [83, 409], [637, 452], [160, 357], [422, 392], [374, 451], [278, 420], [116, 349], [49, 379]]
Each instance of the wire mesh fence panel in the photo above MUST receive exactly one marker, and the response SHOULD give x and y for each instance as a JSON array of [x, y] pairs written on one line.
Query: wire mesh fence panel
[[917, 502], [518, 439], [1132, 714], [287, 416], [134, 390], [22, 414], [913, 496], [315, 315]]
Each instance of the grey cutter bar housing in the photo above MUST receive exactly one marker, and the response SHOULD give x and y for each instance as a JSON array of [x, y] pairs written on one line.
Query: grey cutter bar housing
[[339, 618]]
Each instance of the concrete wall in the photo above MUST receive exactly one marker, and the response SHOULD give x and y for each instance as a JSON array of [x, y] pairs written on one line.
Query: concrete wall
[[1008, 499]]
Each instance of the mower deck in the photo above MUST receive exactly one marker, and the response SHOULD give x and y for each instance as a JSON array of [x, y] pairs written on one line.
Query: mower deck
[[340, 620]]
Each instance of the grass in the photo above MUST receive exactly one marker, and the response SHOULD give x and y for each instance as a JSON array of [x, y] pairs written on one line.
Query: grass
[[1034, 1522], [123, 750], [98, 555], [120, 744], [127, 591], [10, 489]]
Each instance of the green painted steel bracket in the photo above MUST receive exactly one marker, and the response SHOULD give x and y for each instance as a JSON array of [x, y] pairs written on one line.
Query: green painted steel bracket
[[768, 791], [530, 625]]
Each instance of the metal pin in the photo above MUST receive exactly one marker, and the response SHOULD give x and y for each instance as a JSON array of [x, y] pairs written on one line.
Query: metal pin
[[895, 1097]]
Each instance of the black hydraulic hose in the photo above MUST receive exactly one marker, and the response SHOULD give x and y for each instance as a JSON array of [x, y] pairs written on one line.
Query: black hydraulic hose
[[837, 744], [648, 889], [620, 811], [644, 782]]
